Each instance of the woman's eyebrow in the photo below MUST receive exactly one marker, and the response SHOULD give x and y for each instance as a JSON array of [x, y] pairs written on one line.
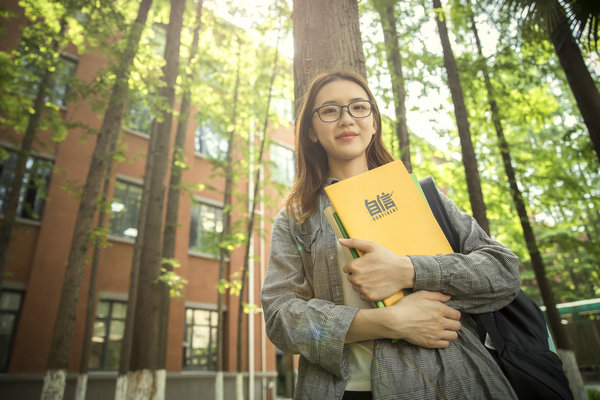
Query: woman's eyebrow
[[327, 102]]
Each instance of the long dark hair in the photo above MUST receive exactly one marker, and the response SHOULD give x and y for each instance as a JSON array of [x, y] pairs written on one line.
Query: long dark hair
[[311, 159]]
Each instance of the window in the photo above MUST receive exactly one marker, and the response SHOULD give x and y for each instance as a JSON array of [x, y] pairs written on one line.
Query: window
[[34, 187], [34, 64], [139, 115], [205, 228], [125, 209], [10, 307], [209, 142], [60, 86], [158, 39], [108, 334], [282, 164], [200, 339]]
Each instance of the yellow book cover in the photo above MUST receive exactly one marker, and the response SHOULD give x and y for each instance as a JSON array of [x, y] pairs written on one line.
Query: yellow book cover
[[385, 206]]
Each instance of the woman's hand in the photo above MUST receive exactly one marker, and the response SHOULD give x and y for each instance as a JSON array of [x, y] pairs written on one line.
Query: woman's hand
[[421, 318], [380, 272]]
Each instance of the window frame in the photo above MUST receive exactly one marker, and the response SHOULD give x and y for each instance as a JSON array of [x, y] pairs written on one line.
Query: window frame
[[108, 321], [187, 356], [27, 204], [209, 128], [29, 81], [130, 182], [276, 173], [4, 364], [137, 105], [198, 250]]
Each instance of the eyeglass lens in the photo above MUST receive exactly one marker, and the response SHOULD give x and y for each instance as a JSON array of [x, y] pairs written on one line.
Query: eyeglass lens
[[333, 112]]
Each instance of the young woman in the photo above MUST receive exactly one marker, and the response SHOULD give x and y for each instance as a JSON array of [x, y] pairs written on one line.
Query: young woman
[[319, 305]]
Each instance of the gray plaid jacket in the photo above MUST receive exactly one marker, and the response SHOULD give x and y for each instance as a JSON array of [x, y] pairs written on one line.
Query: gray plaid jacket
[[304, 314]]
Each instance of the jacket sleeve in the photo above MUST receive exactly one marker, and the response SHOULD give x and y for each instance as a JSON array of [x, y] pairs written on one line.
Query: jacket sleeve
[[296, 322], [483, 277]]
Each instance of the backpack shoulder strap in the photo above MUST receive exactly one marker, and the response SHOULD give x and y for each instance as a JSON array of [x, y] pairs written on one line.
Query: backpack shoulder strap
[[439, 212]]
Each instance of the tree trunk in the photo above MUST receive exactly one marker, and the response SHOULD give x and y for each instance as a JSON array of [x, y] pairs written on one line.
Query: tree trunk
[[223, 252], [146, 348], [90, 314], [559, 333], [462, 123], [125, 375], [385, 8], [580, 80], [326, 37], [170, 233], [58, 358], [11, 204]]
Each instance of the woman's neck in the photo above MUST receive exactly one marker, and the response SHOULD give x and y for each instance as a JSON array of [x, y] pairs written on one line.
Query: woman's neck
[[346, 170]]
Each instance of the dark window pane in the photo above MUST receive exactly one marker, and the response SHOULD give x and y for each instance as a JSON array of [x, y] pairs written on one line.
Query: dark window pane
[[10, 308], [34, 188]]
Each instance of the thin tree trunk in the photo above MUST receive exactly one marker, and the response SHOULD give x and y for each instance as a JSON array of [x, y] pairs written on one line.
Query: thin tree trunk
[[168, 250], [579, 78], [462, 123], [326, 37], [58, 359], [11, 204], [223, 252], [250, 227], [122, 385], [385, 8], [81, 389], [559, 333], [146, 348]]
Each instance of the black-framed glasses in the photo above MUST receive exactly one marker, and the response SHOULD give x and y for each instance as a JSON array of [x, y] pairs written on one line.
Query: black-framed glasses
[[333, 112]]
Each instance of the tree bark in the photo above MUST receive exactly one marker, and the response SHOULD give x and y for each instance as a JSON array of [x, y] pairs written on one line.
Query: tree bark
[[58, 358], [579, 78], [124, 375], [326, 37], [172, 210], [559, 333], [385, 8], [90, 314], [462, 123], [146, 348]]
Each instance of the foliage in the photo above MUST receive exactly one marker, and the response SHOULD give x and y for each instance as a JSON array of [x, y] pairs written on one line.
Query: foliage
[[170, 278], [555, 163]]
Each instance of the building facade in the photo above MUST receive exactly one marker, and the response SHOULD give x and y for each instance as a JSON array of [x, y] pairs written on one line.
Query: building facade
[[41, 242]]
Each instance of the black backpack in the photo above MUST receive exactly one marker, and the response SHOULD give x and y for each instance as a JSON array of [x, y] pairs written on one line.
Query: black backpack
[[518, 331]]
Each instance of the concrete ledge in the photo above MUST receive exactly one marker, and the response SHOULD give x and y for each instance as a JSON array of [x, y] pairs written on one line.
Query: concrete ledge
[[182, 385]]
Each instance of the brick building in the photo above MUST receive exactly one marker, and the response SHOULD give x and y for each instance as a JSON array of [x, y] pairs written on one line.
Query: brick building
[[38, 254]]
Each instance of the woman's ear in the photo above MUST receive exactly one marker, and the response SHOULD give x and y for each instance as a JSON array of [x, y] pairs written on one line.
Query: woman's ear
[[313, 136]]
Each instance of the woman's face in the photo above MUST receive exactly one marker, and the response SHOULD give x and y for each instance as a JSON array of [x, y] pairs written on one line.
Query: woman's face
[[346, 139]]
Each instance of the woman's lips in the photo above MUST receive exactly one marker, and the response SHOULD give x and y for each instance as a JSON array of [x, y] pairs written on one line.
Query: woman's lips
[[347, 136]]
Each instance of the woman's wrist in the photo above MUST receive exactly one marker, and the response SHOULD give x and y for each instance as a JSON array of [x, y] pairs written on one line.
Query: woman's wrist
[[408, 275], [370, 324]]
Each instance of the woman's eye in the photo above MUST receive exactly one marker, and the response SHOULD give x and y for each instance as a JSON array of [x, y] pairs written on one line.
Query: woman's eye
[[329, 110]]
